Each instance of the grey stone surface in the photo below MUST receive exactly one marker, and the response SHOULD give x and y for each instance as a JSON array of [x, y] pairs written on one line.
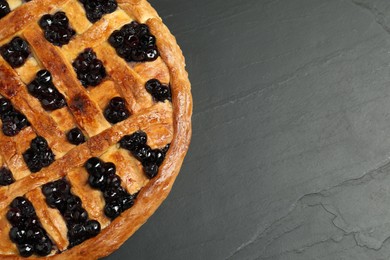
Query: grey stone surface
[[291, 133]]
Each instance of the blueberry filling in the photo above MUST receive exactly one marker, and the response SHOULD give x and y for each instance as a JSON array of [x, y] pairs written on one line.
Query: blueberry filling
[[151, 159], [56, 28], [39, 155], [6, 177], [75, 136], [13, 120], [4, 8], [16, 52], [80, 227], [27, 232], [95, 9], [158, 91], [89, 69], [43, 89], [102, 177], [116, 110], [134, 42]]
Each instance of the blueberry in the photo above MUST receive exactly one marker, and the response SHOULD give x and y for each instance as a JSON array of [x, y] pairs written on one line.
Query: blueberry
[[115, 196], [77, 231], [20, 202], [39, 155], [142, 152], [151, 54], [33, 234], [113, 181], [39, 144], [56, 28], [148, 40], [111, 193], [6, 177], [43, 89], [72, 203], [46, 21], [116, 110], [110, 168], [25, 250], [4, 8], [56, 200], [137, 55], [20, 121], [95, 9], [49, 188], [113, 209], [75, 136], [90, 70], [63, 186], [92, 228], [127, 202], [43, 77], [133, 42], [115, 116], [158, 91], [94, 165], [5, 105], [26, 231], [151, 170], [31, 222], [97, 181], [17, 235], [142, 29], [159, 156], [117, 103], [43, 248], [58, 193], [131, 142], [116, 39], [78, 215], [15, 52], [14, 216], [60, 18]]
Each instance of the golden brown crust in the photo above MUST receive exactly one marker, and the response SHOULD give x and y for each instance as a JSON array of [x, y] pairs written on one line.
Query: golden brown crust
[[25, 14], [151, 119], [86, 112], [15, 90]]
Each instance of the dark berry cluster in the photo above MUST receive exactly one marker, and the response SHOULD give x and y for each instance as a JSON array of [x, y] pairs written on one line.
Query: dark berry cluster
[[4, 8], [57, 28], [158, 91], [16, 52], [6, 177], [134, 42], [43, 89], [39, 155], [95, 9], [13, 120], [102, 176], [75, 136], [89, 69], [59, 196], [150, 159], [116, 110], [27, 232]]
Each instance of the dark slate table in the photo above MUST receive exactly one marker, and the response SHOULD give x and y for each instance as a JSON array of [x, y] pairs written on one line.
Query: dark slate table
[[291, 133]]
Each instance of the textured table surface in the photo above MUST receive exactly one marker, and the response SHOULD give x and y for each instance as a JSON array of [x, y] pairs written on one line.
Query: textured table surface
[[291, 133]]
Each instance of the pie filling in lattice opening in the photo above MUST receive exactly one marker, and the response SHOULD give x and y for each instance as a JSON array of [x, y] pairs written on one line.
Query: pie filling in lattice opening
[[59, 99]]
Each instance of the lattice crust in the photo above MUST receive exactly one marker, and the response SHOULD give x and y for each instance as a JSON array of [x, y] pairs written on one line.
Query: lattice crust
[[163, 122]]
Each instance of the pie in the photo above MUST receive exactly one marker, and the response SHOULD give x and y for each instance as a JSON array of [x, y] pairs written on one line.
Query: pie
[[95, 118]]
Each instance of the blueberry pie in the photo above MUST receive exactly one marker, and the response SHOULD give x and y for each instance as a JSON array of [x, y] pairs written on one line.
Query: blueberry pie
[[95, 121]]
